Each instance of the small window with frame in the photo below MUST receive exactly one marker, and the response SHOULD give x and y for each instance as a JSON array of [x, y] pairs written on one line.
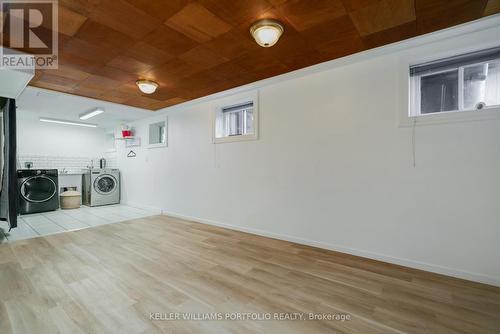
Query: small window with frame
[[157, 134], [464, 83], [236, 121]]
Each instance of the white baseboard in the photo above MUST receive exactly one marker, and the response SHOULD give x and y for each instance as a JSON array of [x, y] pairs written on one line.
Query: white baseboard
[[141, 206], [385, 258]]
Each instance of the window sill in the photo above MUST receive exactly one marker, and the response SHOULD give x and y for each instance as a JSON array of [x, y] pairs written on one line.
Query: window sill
[[157, 145], [233, 139], [451, 117]]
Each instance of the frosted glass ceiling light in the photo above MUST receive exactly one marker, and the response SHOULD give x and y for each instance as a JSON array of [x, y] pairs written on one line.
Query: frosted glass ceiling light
[[147, 86], [267, 32]]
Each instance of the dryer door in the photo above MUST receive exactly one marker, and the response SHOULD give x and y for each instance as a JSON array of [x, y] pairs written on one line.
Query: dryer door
[[105, 184], [38, 189]]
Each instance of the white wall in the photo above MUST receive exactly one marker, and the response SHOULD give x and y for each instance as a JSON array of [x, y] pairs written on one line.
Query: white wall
[[47, 139], [333, 168]]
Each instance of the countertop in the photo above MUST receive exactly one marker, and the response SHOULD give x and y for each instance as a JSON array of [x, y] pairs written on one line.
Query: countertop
[[72, 172]]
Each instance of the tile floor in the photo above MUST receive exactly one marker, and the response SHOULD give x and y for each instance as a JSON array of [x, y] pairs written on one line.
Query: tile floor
[[30, 226]]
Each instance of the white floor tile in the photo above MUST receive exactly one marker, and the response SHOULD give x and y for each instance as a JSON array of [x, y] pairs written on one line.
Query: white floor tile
[[44, 229], [106, 215], [3, 237], [65, 221], [22, 231], [96, 221], [36, 220], [79, 214], [71, 225], [60, 217], [33, 225], [4, 225]]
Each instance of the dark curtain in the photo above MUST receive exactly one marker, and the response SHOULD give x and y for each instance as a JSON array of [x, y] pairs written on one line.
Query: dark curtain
[[8, 194]]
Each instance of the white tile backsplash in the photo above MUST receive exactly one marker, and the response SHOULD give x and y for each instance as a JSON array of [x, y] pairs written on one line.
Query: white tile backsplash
[[59, 162]]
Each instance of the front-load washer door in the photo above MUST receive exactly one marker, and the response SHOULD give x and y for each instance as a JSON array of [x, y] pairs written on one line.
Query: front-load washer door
[[105, 184], [38, 189]]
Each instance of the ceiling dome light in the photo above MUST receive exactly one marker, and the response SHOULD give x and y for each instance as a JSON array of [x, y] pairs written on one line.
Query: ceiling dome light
[[147, 86], [266, 32]]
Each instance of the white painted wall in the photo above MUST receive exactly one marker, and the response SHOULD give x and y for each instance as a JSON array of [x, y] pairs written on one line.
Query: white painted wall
[[333, 168], [48, 139]]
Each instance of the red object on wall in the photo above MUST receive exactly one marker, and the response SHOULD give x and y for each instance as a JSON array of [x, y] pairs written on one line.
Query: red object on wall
[[126, 133]]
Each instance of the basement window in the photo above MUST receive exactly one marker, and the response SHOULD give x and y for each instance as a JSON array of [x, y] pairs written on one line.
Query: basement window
[[235, 122], [467, 82]]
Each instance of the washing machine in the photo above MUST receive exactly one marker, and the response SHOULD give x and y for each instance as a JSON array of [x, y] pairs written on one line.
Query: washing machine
[[101, 187], [37, 190]]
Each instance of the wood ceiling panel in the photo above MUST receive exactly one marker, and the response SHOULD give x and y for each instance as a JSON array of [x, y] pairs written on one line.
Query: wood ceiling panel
[[437, 14], [159, 9], [198, 23], [295, 52], [47, 77], [129, 64], [392, 35], [194, 48], [175, 100], [92, 92], [70, 72], [352, 5], [492, 7], [50, 86], [79, 63], [99, 82], [148, 54], [122, 92], [102, 36], [227, 71], [76, 48], [237, 12], [302, 14], [344, 40], [117, 74], [276, 3], [174, 70], [83, 7], [162, 94], [125, 18], [259, 62], [140, 101], [116, 99], [169, 41], [383, 15], [198, 81], [69, 21], [232, 44], [127, 88], [202, 57]]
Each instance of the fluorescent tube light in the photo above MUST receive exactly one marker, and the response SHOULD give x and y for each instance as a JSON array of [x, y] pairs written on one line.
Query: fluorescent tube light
[[61, 121], [92, 113]]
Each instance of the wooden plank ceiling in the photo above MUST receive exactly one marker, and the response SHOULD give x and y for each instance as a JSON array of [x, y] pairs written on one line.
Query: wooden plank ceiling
[[196, 48]]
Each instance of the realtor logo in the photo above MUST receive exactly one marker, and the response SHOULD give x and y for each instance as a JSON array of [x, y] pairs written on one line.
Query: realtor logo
[[29, 34]]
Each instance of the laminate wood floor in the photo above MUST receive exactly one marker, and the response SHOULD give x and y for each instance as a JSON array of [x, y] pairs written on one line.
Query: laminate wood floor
[[113, 278]]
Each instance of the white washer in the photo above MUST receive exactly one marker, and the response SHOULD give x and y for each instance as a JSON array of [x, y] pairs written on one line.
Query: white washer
[[101, 187]]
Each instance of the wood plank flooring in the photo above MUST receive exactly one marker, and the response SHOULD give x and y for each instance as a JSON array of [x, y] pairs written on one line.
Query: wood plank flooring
[[110, 278]]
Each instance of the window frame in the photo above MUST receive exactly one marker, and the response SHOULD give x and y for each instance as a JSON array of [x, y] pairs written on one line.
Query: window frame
[[235, 100], [416, 81], [406, 98], [158, 145]]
